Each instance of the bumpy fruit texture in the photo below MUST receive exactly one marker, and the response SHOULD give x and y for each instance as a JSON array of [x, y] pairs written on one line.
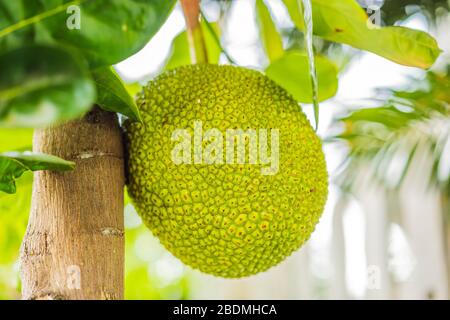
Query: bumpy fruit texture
[[228, 220]]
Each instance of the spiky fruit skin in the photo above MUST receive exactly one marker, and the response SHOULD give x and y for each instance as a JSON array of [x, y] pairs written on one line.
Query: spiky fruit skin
[[228, 220]]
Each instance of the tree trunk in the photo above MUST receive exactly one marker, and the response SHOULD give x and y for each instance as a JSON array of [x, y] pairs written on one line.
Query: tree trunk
[[74, 244]]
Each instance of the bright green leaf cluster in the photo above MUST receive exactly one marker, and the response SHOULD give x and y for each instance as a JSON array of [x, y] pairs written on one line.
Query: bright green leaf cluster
[[344, 21], [70, 38], [55, 59]]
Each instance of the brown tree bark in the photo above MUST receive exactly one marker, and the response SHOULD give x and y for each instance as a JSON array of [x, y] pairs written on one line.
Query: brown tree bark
[[74, 244]]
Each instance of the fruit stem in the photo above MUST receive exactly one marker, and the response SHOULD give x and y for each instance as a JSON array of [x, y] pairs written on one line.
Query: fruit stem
[[216, 39], [191, 11]]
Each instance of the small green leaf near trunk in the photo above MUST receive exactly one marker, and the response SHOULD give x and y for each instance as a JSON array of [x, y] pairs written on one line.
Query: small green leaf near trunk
[[14, 164]]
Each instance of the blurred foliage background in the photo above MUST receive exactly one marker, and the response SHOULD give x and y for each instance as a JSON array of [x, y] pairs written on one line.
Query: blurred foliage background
[[378, 140]]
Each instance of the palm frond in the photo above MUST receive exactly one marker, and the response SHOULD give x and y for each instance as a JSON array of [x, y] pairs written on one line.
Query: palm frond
[[386, 139]]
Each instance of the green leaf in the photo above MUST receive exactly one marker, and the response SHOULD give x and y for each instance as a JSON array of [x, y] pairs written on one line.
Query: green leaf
[[291, 72], [41, 85], [180, 53], [269, 34], [389, 116], [112, 94], [14, 164], [109, 30], [346, 22], [35, 161], [10, 12], [10, 170]]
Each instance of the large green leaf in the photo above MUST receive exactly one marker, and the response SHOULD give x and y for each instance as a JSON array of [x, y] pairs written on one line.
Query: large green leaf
[[291, 72], [180, 53], [41, 85], [14, 164], [110, 30], [269, 34], [112, 94], [346, 22]]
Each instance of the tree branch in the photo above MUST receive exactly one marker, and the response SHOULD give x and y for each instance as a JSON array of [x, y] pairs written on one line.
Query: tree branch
[[74, 245]]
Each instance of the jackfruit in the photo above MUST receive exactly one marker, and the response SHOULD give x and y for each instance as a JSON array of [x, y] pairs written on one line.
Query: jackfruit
[[227, 217]]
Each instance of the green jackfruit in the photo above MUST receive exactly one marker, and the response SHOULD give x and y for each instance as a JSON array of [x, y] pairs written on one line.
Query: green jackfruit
[[227, 217]]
